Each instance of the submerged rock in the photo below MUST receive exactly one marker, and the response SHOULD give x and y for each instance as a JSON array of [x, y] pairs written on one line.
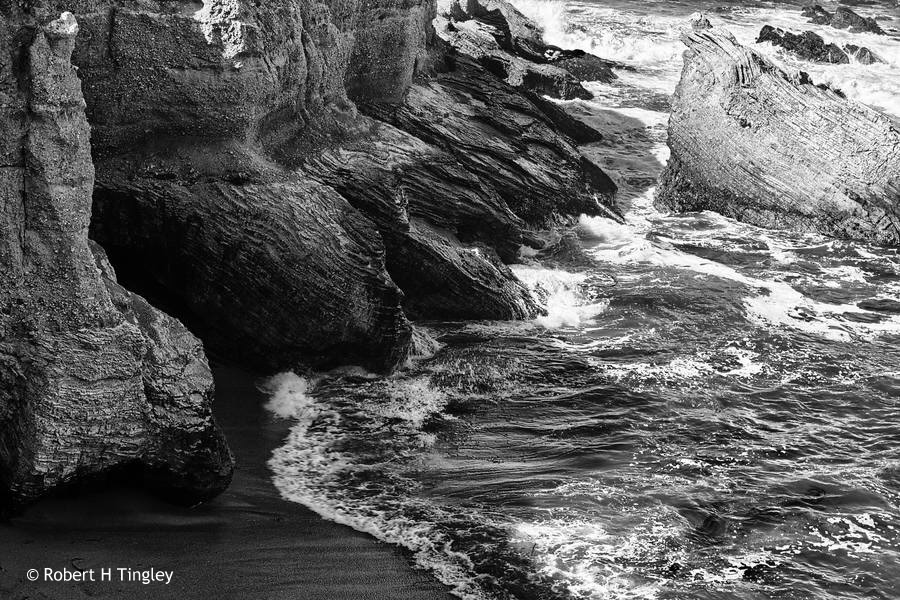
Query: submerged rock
[[756, 144], [93, 380], [842, 18], [862, 54]]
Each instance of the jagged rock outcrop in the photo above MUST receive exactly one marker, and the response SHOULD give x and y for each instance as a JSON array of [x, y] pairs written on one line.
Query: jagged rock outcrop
[[269, 268], [199, 140], [503, 138], [807, 45], [842, 18], [445, 231], [812, 47], [511, 46], [756, 144], [93, 380]]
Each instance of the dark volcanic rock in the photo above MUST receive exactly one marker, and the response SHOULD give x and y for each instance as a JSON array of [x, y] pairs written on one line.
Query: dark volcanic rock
[[755, 144], [93, 380], [449, 280], [807, 45], [842, 18]]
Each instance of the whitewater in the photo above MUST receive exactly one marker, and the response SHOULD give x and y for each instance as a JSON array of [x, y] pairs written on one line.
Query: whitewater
[[708, 410]]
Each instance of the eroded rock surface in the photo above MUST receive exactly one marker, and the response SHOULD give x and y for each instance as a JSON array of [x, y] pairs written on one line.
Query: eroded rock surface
[[93, 380], [756, 144], [261, 105], [503, 138]]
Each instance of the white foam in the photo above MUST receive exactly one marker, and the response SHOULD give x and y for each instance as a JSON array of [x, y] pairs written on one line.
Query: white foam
[[595, 563], [313, 465], [601, 229], [559, 293], [290, 395]]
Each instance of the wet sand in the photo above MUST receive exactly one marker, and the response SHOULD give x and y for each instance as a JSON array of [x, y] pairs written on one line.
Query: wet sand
[[248, 543]]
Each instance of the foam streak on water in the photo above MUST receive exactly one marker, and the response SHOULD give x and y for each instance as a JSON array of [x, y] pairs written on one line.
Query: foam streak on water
[[707, 410]]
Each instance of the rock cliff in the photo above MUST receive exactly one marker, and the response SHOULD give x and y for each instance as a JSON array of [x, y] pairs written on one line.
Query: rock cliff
[[94, 379], [290, 178], [230, 141], [757, 144]]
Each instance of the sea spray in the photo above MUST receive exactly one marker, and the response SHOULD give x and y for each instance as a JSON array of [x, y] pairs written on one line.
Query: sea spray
[[560, 294]]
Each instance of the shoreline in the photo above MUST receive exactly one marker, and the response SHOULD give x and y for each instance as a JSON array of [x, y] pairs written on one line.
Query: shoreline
[[247, 543]]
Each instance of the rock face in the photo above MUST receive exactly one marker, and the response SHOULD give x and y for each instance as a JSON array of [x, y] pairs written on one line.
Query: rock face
[[842, 18], [238, 183], [503, 138], [269, 267], [94, 380], [753, 143]]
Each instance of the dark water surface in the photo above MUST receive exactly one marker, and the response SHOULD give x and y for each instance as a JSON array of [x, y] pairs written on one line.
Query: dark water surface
[[708, 411]]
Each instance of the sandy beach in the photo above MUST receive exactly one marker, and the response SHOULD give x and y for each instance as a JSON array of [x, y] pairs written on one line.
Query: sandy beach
[[248, 543]]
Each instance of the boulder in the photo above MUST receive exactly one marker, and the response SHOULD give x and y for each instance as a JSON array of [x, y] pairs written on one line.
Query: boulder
[[754, 143], [807, 45], [862, 54], [446, 279], [95, 381], [842, 18]]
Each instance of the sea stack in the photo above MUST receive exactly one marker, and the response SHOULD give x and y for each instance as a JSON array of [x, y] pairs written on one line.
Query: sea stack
[[754, 143], [93, 380]]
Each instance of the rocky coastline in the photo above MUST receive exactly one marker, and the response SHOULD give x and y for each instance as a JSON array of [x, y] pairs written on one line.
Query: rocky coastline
[[288, 185], [293, 181]]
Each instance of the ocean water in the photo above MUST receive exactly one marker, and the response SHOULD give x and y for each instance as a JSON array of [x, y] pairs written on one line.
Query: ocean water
[[708, 410]]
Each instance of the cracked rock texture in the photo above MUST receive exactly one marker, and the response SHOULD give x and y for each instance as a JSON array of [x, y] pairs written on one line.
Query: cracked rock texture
[[751, 142]]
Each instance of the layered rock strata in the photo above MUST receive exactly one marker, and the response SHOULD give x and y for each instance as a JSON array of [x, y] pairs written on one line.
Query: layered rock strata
[[229, 141], [759, 145]]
